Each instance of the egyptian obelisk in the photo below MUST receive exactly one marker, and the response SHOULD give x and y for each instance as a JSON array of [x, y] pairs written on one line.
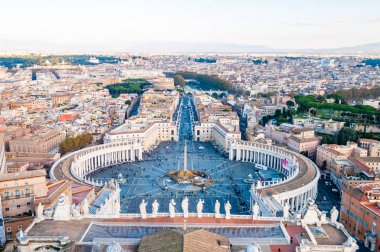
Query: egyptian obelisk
[[185, 158]]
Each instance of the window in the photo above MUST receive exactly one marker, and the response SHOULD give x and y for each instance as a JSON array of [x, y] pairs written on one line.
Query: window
[[17, 193], [6, 209], [366, 224], [19, 227], [18, 206]]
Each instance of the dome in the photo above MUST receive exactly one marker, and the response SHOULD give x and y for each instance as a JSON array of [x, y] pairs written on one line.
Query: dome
[[114, 247], [253, 247]]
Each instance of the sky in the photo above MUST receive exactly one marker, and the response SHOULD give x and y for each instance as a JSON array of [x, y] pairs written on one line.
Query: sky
[[283, 24]]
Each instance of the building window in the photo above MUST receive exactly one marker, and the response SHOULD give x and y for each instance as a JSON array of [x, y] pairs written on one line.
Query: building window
[[7, 209], [18, 206], [366, 224], [27, 192], [17, 193]]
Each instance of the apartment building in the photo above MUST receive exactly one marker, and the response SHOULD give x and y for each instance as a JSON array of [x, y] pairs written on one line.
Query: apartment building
[[2, 155], [18, 191], [217, 123], [304, 141], [153, 124], [360, 214], [39, 141], [330, 153]]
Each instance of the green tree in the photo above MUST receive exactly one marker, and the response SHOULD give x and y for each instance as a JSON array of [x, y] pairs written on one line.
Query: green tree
[[277, 113], [347, 134], [290, 103], [324, 165]]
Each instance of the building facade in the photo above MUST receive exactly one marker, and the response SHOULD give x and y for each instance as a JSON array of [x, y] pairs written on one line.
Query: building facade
[[2, 155], [39, 141], [360, 213]]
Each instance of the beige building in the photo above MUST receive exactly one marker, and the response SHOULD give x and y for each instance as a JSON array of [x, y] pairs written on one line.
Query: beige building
[[304, 140], [2, 155], [18, 191], [333, 152], [153, 124], [217, 123], [373, 146], [39, 141]]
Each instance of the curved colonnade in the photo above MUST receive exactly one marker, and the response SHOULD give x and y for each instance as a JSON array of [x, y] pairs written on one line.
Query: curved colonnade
[[301, 175], [90, 159], [299, 184]]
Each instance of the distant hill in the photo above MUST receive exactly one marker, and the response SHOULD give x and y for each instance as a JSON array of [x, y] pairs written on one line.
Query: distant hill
[[7, 45], [367, 48]]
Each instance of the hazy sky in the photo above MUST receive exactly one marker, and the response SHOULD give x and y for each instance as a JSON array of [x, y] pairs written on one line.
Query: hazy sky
[[292, 24]]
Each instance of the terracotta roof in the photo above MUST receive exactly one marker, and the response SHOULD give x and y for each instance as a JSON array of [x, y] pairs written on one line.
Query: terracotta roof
[[370, 159], [22, 175], [359, 164], [304, 140], [184, 240], [356, 193]]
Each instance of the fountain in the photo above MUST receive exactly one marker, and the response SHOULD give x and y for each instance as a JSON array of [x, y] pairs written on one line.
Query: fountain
[[249, 180], [120, 178], [185, 180]]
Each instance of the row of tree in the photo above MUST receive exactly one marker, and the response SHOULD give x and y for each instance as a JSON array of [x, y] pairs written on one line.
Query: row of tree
[[128, 86], [75, 143], [310, 101], [343, 136], [207, 82]]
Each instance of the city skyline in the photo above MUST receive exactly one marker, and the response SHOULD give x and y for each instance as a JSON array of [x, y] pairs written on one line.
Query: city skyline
[[138, 26]]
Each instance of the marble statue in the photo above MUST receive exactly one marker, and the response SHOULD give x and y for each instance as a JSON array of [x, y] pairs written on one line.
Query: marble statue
[[75, 211], [256, 210], [200, 207], [334, 215], [85, 207], [62, 210], [172, 208], [21, 233], [227, 208], [217, 209], [40, 211], [285, 210], [185, 207], [143, 209], [258, 186], [155, 206]]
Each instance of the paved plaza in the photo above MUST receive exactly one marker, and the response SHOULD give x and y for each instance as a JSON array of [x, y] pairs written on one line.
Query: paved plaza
[[142, 179]]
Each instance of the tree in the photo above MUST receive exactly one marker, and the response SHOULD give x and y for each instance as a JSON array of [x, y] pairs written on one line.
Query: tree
[[74, 143], [277, 113], [179, 80], [290, 103], [324, 165], [347, 134], [305, 153]]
